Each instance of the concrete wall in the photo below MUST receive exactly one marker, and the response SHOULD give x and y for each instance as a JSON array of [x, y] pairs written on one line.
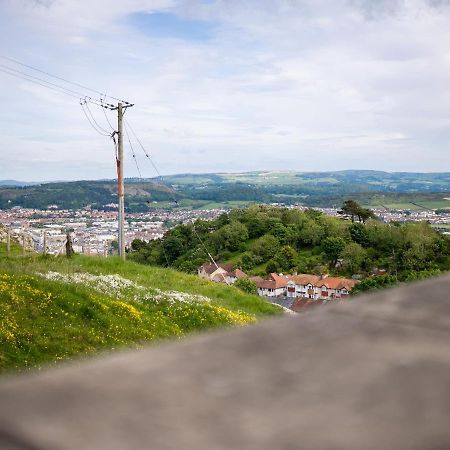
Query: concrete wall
[[369, 373]]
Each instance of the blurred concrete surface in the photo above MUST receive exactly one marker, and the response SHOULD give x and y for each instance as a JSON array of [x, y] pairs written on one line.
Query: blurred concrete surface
[[369, 373]]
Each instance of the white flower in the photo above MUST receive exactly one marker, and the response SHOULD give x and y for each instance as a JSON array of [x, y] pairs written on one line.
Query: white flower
[[118, 287]]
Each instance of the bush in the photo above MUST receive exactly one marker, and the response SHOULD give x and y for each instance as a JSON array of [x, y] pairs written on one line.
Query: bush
[[246, 285]]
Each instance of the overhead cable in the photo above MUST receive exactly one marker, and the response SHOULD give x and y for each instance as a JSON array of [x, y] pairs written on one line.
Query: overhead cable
[[133, 152], [99, 131], [102, 100], [149, 158], [32, 78], [93, 119], [61, 78], [25, 77]]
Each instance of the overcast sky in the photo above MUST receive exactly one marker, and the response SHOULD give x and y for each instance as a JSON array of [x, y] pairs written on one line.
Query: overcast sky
[[229, 85]]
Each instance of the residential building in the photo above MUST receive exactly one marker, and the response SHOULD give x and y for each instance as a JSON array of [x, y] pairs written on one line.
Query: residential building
[[221, 273], [319, 287], [274, 286]]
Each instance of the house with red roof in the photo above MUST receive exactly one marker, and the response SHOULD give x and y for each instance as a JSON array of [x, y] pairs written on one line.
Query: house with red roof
[[273, 286], [319, 287], [220, 273]]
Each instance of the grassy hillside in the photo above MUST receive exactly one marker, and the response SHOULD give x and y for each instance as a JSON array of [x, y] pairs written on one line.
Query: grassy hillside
[[53, 309]]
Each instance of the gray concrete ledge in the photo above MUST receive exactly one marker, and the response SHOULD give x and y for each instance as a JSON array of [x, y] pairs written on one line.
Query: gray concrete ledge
[[369, 373]]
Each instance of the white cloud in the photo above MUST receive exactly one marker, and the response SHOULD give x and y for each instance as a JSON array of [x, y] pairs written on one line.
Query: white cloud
[[307, 85]]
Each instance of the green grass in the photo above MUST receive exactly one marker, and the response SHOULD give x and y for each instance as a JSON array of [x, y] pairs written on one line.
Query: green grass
[[413, 202], [44, 321], [264, 178], [16, 249]]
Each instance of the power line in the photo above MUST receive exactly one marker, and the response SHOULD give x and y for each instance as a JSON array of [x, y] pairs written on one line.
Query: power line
[[23, 77], [84, 101], [106, 115], [143, 149], [149, 158], [62, 79], [32, 78], [62, 90], [132, 151], [96, 123], [91, 123]]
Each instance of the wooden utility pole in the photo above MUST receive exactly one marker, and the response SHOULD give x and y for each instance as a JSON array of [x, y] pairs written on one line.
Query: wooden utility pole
[[121, 107], [8, 242], [120, 183]]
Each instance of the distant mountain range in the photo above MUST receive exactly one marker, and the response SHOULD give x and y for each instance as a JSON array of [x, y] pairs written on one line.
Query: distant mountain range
[[4, 183], [235, 189]]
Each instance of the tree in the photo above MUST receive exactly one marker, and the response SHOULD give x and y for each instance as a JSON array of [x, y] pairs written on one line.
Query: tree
[[272, 266], [354, 256], [246, 285], [265, 247], [247, 261], [280, 232], [376, 282], [286, 257], [310, 232], [172, 248], [354, 209], [364, 214], [230, 237], [137, 245], [257, 223], [332, 247], [359, 234], [351, 208]]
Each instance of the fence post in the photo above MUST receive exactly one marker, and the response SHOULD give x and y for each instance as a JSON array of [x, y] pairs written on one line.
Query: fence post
[[45, 243], [8, 242]]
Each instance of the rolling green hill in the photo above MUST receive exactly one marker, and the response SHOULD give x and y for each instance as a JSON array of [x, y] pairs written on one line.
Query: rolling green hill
[[54, 309], [230, 190]]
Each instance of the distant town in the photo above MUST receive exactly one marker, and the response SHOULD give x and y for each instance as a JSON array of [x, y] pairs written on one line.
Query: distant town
[[94, 232]]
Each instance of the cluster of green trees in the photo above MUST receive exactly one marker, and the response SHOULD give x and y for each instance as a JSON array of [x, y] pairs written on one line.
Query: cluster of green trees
[[354, 210], [263, 239]]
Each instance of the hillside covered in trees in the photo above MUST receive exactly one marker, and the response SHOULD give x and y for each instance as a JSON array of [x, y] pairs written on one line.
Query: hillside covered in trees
[[206, 191], [263, 239]]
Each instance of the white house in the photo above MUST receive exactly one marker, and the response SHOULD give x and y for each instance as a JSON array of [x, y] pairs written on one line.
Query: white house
[[319, 287], [274, 286]]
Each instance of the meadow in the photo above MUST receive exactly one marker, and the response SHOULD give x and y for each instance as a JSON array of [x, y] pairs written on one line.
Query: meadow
[[56, 308]]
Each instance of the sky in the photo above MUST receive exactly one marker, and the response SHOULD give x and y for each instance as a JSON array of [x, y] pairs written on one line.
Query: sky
[[228, 85]]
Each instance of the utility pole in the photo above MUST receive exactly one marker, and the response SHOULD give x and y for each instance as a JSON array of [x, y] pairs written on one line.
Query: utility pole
[[121, 108], [120, 183]]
